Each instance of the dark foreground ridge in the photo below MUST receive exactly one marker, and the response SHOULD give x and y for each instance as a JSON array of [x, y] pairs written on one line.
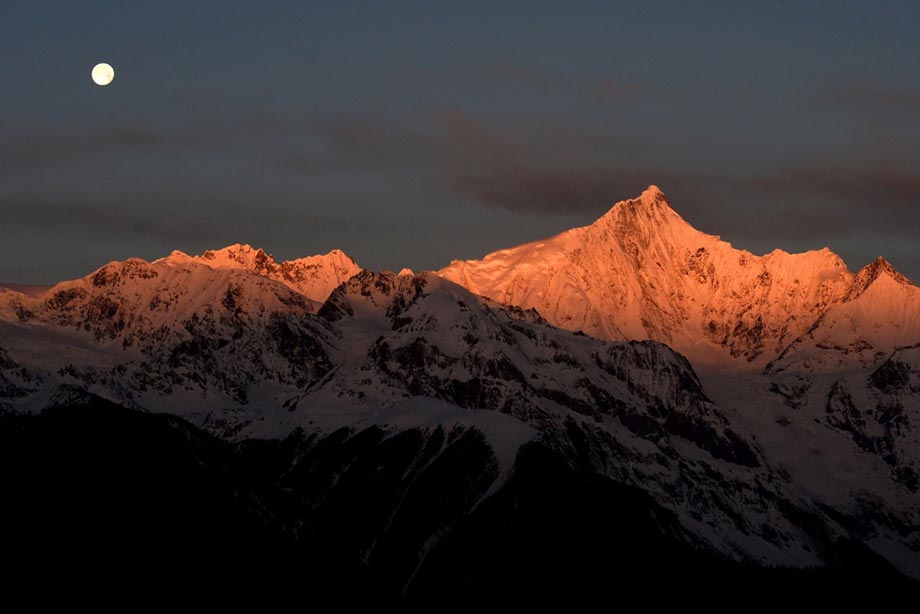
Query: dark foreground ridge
[[100, 493]]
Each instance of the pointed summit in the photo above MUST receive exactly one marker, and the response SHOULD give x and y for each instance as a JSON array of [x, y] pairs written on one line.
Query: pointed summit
[[653, 193], [880, 265], [645, 217], [872, 272], [650, 198]]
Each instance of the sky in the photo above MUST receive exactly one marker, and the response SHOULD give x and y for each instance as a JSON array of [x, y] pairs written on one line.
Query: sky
[[413, 133]]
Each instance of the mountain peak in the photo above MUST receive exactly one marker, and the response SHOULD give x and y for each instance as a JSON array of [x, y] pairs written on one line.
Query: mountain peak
[[644, 215], [643, 272], [238, 255], [652, 193], [872, 272], [235, 251], [312, 276], [651, 197], [881, 266], [335, 256]]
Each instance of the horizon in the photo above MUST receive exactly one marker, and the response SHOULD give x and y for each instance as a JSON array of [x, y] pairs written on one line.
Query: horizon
[[853, 269]]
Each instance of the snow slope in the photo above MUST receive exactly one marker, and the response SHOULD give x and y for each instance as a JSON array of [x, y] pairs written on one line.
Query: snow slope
[[880, 312]]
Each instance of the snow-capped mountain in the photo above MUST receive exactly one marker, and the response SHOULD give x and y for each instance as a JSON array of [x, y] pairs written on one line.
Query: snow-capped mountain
[[880, 312], [642, 272], [313, 276], [791, 429], [154, 334], [243, 355], [151, 334], [791, 347]]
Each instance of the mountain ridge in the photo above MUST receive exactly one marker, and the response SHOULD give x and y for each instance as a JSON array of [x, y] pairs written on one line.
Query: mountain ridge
[[313, 276], [808, 422], [641, 271]]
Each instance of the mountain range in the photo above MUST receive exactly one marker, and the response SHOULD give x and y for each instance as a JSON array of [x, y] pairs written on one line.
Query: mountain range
[[767, 405]]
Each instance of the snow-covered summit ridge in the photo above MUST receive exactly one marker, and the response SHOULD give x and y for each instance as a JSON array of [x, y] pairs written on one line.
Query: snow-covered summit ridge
[[641, 271], [313, 276]]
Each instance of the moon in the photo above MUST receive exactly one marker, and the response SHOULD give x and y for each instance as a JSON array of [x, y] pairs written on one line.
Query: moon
[[103, 74]]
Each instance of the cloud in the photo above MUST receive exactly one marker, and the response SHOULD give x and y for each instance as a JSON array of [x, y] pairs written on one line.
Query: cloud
[[524, 166], [102, 219], [606, 90], [538, 168], [526, 189], [49, 147], [199, 132], [488, 75], [385, 143], [860, 213], [515, 74], [543, 81], [875, 186], [872, 98]]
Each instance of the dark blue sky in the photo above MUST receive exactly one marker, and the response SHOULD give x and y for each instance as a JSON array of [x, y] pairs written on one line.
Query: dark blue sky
[[410, 133]]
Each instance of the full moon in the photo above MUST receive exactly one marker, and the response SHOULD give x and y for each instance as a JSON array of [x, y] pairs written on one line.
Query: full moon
[[103, 74]]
